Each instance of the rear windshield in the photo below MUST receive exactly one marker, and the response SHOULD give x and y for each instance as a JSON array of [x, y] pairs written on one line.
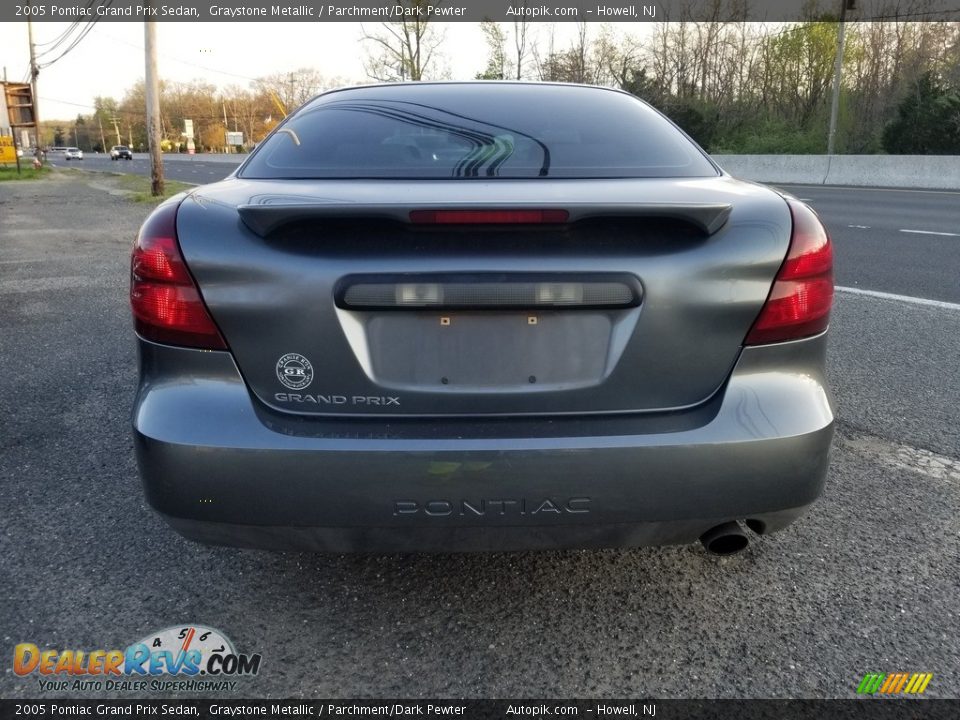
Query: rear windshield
[[477, 131]]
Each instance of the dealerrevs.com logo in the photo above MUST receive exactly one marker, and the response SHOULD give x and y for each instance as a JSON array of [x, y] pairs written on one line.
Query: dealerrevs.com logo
[[185, 658]]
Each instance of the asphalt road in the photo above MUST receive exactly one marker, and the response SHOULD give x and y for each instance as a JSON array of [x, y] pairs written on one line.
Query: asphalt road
[[897, 241], [867, 582], [183, 168]]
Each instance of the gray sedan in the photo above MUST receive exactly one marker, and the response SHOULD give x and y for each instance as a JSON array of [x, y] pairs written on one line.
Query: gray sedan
[[472, 316]]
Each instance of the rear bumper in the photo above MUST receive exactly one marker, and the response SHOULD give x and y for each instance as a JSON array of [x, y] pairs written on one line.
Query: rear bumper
[[222, 469]]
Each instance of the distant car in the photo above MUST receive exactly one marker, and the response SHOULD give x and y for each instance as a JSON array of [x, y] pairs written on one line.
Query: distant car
[[120, 151], [73, 154], [477, 316]]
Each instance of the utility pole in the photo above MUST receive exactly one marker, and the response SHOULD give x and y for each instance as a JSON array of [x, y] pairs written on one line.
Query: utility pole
[[152, 86], [13, 130], [34, 71], [837, 72], [116, 128], [103, 140], [226, 129]]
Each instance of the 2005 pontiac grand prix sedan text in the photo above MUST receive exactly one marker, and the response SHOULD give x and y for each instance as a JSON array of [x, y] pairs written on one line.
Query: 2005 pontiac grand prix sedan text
[[465, 316]]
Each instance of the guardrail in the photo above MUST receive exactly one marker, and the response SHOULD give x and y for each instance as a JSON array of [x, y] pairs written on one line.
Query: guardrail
[[936, 172]]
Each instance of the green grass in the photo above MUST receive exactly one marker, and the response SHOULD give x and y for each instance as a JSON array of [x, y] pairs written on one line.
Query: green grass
[[135, 187], [9, 172], [139, 188]]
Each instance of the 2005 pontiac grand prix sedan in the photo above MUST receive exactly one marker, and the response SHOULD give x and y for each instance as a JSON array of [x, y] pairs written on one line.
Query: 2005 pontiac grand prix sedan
[[470, 316]]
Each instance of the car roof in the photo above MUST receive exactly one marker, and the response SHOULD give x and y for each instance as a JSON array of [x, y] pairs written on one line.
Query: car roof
[[492, 87]]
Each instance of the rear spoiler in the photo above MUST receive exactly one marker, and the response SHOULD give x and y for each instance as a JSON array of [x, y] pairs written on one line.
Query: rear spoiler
[[265, 218]]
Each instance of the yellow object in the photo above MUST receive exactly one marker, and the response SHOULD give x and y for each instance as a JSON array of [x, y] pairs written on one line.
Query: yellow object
[[8, 153]]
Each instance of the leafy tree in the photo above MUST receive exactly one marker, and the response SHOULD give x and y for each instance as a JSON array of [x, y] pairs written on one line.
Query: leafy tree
[[698, 120], [498, 63], [637, 82], [799, 69], [927, 122], [81, 133]]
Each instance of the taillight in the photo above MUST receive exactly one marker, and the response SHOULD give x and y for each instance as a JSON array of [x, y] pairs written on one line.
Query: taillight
[[519, 216], [799, 303], [167, 307]]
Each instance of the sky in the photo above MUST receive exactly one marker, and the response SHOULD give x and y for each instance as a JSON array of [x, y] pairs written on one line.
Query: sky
[[110, 59]]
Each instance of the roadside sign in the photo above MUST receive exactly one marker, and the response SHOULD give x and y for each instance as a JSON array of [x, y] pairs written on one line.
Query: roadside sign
[[234, 138], [19, 100], [8, 152]]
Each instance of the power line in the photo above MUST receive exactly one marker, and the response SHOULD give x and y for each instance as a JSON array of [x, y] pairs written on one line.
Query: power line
[[168, 56], [67, 102], [60, 38], [83, 33], [77, 40], [925, 13]]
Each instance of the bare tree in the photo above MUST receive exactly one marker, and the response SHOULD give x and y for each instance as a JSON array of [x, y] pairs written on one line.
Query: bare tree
[[613, 59], [403, 49], [545, 59], [578, 55], [292, 89], [520, 28]]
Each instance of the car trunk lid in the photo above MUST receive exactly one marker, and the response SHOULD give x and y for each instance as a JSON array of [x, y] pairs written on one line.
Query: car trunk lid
[[343, 298]]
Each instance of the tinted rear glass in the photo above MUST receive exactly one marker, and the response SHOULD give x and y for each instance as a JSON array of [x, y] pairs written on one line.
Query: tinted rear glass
[[477, 131]]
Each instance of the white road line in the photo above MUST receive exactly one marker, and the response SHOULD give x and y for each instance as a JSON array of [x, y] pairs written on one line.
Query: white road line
[[918, 460], [907, 457], [900, 298], [860, 227], [930, 232]]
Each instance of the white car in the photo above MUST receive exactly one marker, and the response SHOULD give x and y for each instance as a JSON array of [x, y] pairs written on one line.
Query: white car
[[73, 153], [120, 151]]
